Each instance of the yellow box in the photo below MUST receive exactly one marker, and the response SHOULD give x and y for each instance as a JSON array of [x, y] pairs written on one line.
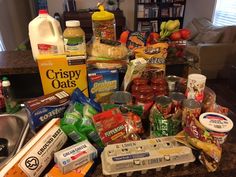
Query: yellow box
[[61, 72]]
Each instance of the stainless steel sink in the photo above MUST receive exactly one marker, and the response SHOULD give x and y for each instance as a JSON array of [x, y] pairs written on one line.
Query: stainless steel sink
[[13, 130]]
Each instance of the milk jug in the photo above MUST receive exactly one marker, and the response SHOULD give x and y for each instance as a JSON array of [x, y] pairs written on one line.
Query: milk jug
[[45, 35]]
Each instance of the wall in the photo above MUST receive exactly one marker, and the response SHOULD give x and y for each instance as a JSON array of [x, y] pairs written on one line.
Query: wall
[[126, 5], [199, 8], [14, 19]]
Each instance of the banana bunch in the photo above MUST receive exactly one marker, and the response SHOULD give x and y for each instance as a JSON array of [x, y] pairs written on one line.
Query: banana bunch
[[167, 28]]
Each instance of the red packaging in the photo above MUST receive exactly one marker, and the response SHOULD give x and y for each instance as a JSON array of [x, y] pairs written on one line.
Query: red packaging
[[111, 126]]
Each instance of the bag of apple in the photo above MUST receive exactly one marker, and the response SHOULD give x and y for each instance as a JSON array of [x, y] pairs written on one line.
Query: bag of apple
[[176, 37]]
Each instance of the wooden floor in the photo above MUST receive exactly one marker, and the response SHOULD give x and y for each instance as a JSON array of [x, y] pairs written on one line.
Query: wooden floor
[[225, 93]]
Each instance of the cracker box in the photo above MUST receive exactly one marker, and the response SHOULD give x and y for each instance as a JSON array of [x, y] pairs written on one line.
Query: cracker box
[[61, 72], [102, 83]]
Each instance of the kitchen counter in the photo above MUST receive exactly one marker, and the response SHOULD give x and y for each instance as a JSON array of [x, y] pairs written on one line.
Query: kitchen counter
[[227, 167], [17, 62]]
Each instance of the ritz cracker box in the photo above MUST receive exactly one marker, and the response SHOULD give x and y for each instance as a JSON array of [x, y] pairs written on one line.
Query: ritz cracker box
[[102, 83], [62, 72]]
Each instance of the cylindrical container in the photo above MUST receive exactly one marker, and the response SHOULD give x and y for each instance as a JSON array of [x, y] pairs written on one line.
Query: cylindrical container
[[171, 81], [163, 104], [2, 102], [177, 99], [159, 86], [74, 39], [217, 124], [104, 25], [121, 97], [11, 105], [195, 87], [190, 106], [45, 35]]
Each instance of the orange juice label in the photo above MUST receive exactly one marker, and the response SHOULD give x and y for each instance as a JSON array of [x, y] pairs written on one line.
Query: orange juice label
[[61, 72]]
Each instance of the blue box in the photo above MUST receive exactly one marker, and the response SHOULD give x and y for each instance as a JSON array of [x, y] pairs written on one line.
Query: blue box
[[102, 83]]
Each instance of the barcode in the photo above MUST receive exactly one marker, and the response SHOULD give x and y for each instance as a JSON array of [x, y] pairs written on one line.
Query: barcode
[[74, 136], [152, 161], [62, 94]]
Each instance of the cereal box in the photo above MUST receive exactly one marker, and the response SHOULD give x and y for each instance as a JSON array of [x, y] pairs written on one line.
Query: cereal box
[[102, 83], [61, 72]]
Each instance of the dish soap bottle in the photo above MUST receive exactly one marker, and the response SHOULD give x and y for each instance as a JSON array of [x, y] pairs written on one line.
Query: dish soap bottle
[[10, 102]]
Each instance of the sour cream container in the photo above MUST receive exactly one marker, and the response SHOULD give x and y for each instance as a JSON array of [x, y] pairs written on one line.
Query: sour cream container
[[217, 124]]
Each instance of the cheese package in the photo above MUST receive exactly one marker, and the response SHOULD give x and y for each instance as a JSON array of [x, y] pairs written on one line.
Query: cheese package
[[78, 172], [75, 156], [61, 72], [35, 156]]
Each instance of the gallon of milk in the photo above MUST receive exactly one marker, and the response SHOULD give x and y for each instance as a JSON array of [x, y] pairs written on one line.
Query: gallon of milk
[[45, 35]]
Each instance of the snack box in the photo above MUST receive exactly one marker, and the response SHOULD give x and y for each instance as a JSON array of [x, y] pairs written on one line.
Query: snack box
[[79, 172], [144, 155], [102, 83], [62, 72], [42, 109], [35, 156], [75, 156]]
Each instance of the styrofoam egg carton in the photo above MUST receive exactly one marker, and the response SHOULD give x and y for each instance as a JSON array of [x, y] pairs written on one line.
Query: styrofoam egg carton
[[144, 155]]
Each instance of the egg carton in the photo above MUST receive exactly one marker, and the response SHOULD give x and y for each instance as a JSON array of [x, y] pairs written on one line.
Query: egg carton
[[144, 155]]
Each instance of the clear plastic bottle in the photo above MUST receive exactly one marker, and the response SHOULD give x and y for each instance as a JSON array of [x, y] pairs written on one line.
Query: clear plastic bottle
[[11, 105], [2, 103]]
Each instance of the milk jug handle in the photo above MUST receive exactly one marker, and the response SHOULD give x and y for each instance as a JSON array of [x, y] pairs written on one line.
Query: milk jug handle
[[55, 28]]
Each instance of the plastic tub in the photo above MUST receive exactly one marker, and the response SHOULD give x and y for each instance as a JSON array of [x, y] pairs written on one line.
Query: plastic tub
[[217, 124]]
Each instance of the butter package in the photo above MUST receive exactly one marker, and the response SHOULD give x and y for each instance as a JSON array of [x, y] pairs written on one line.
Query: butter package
[[102, 84], [42, 109], [35, 156], [78, 172], [61, 72], [75, 156]]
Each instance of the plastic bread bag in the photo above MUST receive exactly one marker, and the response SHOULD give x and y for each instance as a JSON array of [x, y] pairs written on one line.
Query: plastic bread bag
[[195, 135], [107, 49]]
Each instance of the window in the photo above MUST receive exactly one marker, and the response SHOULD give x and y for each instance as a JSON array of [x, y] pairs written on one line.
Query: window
[[2, 47], [225, 13]]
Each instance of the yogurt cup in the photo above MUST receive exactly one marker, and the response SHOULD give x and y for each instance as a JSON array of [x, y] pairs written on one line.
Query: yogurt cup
[[217, 124]]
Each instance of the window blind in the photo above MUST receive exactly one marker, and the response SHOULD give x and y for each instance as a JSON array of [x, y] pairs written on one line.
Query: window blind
[[225, 13]]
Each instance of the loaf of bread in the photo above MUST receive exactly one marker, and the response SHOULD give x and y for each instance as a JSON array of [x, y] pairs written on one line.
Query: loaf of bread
[[101, 50]]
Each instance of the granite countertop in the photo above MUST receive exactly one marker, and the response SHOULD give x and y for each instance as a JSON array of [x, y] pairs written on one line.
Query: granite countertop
[[227, 167], [17, 62]]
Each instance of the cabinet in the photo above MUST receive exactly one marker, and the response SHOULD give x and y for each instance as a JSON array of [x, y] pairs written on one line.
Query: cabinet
[[86, 21], [150, 13]]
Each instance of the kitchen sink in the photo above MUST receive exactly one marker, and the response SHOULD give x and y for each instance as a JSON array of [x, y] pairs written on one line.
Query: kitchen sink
[[13, 131]]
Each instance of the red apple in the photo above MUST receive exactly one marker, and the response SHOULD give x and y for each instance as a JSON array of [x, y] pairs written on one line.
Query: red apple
[[185, 33], [176, 36]]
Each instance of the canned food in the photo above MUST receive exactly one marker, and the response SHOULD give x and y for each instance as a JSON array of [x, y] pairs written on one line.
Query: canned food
[[164, 104], [121, 97], [190, 106], [177, 99], [171, 81]]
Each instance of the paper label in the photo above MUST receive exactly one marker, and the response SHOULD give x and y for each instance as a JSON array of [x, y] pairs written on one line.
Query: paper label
[[37, 159]]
